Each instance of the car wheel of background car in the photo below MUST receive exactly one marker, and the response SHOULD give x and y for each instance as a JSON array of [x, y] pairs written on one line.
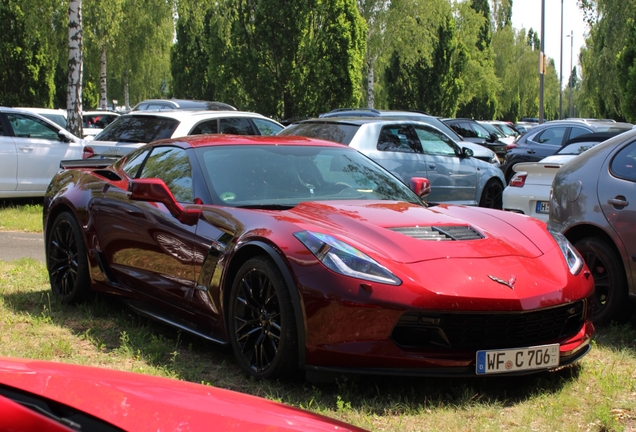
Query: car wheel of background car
[[261, 320], [492, 195], [610, 293], [67, 262]]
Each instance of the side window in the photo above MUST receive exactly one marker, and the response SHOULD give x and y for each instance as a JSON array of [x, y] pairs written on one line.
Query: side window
[[434, 142], [464, 129], [171, 164], [236, 126], [134, 162], [480, 132], [25, 126], [624, 163], [576, 131], [396, 139], [205, 127], [552, 135], [266, 127]]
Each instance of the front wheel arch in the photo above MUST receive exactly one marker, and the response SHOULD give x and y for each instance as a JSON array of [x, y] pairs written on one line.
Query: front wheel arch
[[251, 250]]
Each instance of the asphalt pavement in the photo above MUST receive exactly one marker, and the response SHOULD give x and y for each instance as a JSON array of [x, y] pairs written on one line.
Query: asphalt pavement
[[16, 245]]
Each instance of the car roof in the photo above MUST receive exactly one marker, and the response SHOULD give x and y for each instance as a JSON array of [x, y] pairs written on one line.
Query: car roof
[[357, 120], [185, 114], [247, 140], [371, 112], [189, 104]]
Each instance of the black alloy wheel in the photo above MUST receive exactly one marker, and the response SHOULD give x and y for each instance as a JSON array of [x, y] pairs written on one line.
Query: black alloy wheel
[[492, 195], [261, 320], [610, 283], [66, 260]]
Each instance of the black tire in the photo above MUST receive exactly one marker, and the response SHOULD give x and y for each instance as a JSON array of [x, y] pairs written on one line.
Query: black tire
[[67, 262], [492, 195], [611, 298], [261, 324]]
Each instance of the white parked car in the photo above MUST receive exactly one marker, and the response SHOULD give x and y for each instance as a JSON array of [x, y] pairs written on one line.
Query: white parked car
[[55, 115], [529, 189], [31, 148], [93, 122], [131, 131]]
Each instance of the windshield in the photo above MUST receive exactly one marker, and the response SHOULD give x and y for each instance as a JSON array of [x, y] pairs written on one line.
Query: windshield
[[138, 129], [492, 129], [284, 176]]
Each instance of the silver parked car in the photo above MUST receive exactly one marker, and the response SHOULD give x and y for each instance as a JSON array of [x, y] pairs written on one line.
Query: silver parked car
[[593, 203], [410, 148]]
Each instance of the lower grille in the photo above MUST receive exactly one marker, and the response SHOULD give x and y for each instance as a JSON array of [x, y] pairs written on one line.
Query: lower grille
[[488, 330]]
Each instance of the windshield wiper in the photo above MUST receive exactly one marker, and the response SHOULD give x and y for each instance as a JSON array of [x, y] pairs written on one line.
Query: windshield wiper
[[268, 206]]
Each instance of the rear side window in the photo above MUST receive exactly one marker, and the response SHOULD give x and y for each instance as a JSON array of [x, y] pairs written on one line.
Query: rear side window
[[340, 133], [576, 131], [236, 126], [624, 163], [266, 127], [138, 129]]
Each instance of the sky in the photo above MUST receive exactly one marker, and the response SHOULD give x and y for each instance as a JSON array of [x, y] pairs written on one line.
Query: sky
[[527, 14]]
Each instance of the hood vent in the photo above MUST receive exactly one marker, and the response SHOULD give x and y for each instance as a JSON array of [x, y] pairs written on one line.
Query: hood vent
[[454, 232]]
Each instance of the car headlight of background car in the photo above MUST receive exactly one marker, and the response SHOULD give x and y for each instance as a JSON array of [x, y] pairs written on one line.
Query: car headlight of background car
[[345, 259], [571, 255]]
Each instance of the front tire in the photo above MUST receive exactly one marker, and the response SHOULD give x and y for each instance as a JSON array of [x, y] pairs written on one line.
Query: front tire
[[610, 293], [67, 262], [492, 195], [261, 324]]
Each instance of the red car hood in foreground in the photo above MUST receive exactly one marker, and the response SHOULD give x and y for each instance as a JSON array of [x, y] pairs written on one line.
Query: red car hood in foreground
[[371, 224], [136, 402]]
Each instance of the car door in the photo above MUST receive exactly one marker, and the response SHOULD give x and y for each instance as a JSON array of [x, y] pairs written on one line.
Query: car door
[[8, 159], [547, 142], [146, 247], [617, 197], [397, 151], [39, 151], [453, 177]]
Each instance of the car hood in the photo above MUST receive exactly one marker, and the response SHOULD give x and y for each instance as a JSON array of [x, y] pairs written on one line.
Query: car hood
[[410, 233], [142, 402]]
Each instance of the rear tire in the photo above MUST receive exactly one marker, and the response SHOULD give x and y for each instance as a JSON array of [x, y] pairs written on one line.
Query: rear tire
[[610, 294], [492, 195], [261, 324], [67, 262]]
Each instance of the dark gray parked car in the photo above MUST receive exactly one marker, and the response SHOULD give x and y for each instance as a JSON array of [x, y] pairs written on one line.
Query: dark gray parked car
[[410, 148], [594, 205]]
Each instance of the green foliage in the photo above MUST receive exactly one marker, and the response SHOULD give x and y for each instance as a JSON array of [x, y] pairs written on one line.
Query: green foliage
[[431, 85], [27, 53], [314, 64]]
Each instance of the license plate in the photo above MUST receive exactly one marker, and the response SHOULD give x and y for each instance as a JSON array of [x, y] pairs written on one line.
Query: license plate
[[543, 207], [517, 359]]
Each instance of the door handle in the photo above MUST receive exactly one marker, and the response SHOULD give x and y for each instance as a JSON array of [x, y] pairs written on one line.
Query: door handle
[[26, 149], [620, 201], [531, 151]]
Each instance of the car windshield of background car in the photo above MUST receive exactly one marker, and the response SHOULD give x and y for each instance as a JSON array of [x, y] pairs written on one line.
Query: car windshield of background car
[[493, 130], [266, 127], [340, 133], [138, 129], [284, 176], [481, 131]]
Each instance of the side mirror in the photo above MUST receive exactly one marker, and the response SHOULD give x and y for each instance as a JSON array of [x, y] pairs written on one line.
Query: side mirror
[[493, 138], [64, 136], [466, 152], [421, 186], [155, 190]]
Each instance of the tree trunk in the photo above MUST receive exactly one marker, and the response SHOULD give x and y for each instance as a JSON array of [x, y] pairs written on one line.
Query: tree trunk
[[75, 68], [370, 89], [126, 94], [103, 101]]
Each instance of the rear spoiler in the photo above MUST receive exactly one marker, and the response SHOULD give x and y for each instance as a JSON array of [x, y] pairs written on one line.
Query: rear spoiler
[[87, 163]]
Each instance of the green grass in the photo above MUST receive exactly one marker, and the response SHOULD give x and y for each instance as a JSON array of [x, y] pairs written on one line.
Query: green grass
[[597, 394], [21, 215]]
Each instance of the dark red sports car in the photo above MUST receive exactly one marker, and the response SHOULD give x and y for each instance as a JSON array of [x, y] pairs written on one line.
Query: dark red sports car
[[43, 396], [306, 254]]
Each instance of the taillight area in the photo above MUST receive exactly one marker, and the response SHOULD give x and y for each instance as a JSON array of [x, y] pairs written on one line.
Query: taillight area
[[518, 180], [511, 146], [88, 152]]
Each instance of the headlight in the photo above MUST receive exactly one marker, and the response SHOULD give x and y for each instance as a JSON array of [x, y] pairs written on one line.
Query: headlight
[[571, 255], [344, 259]]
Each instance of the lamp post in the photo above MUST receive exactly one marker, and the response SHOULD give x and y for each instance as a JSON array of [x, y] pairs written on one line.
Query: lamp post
[[561, 69], [542, 62], [571, 36]]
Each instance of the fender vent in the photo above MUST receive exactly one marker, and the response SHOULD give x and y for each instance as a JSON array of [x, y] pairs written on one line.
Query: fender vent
[[452, 232]]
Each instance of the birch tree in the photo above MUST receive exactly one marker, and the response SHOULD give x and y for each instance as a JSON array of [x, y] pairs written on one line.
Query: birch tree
[[75, 68]]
